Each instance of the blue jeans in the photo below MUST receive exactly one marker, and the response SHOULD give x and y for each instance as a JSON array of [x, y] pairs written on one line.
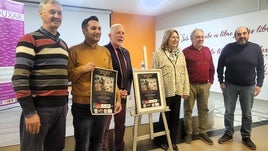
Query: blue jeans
[[52, 132], [88, 129], [246, 97]]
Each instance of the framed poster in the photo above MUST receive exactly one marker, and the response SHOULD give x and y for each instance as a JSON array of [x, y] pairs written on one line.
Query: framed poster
[[103, 91], [149, 91]]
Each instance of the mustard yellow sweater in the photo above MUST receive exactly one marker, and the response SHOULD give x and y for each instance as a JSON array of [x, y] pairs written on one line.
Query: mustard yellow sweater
[[80, 55]]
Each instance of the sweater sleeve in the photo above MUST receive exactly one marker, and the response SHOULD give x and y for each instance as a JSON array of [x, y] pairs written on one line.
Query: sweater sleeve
[[260, 69], [74, 72], [221, 64], [155, 64], [25, 55], [211, 70]]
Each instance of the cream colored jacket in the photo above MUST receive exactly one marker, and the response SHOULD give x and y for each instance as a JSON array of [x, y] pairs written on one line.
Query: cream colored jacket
[[175, 75]]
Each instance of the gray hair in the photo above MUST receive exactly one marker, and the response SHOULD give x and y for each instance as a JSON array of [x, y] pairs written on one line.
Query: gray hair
[[44, 2], [195, 30], [115, 26]]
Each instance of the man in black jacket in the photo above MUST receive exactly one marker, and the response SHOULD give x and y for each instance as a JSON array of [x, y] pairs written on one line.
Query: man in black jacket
[[121, 63]]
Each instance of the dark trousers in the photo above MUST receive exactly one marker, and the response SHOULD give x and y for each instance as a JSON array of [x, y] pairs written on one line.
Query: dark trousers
[[52, 131], [119, 129], [88, 129], [173, 118]]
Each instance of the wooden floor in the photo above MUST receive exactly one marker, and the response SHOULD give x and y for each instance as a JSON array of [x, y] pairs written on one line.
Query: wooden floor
[[9, 138], [259, 134], [259, 137]]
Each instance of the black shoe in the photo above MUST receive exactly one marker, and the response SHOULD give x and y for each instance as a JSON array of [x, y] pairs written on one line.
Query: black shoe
[[188, 139], [247, 141], [164, 146], [205, 139], [174, 146], [225, 138]]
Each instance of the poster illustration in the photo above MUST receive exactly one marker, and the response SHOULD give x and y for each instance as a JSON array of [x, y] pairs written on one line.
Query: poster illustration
[[103, 91], [148, 86]]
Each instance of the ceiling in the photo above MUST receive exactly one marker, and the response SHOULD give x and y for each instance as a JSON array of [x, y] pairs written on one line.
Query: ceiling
[[139, 7]]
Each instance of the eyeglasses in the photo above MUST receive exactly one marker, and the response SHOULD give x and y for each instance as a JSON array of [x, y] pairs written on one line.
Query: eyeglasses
[[199, 37], [53, 12]]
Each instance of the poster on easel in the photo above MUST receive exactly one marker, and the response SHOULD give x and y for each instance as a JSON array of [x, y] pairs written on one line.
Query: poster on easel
[[103, 91], [149, 91]]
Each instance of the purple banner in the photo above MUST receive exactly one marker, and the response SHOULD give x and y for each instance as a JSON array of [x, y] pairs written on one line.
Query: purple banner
[[6, 94], [11, 29]]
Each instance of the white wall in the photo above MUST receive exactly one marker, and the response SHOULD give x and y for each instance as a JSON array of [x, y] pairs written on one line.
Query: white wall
[[70, 28], [217, 16], [209, 10], [219, 32]]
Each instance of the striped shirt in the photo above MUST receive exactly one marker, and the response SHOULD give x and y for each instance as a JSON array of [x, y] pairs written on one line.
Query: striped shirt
[[40, 72]]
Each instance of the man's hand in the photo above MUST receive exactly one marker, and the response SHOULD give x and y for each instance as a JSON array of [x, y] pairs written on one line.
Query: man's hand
[[33, 124], [89, 67], [117, 108], [222, 86], [123, 94], [257, 90]]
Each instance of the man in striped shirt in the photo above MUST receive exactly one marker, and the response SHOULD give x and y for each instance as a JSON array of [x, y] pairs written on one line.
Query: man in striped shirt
[[40, 83]]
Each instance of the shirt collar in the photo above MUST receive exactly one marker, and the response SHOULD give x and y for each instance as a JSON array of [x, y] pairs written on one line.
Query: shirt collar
[[50, 35], [193, 47], [115, 48]]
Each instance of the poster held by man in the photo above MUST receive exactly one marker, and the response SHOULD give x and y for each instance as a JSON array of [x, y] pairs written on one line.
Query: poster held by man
[[103, 94]]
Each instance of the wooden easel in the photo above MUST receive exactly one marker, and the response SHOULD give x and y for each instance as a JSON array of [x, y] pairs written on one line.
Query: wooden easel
[[152, 134]]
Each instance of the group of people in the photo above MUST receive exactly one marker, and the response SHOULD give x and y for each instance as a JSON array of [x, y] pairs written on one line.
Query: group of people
[[189, 73], [44, 66]]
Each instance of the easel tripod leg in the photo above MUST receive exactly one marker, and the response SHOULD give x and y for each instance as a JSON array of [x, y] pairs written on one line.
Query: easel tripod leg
[[167, 131]]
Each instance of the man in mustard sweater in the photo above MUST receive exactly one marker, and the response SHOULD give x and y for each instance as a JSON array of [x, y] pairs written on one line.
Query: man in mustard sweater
[[83, 58]]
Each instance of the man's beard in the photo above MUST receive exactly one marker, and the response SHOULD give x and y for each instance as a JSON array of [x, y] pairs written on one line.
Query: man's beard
[[242, 41]]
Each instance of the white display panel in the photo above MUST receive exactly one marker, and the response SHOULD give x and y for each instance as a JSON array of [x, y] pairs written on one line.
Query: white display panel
[[219, 32]]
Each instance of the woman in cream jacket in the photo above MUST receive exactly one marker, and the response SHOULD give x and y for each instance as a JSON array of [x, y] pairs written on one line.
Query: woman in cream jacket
[[176, 81]]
